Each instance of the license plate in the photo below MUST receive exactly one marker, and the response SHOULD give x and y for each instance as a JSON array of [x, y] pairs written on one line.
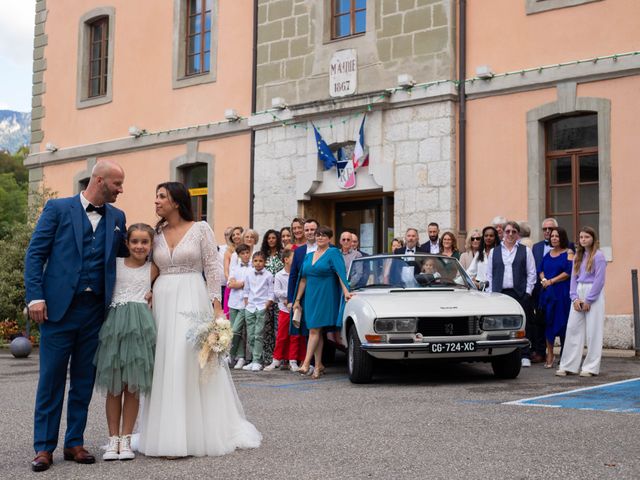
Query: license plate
[[452, 347]]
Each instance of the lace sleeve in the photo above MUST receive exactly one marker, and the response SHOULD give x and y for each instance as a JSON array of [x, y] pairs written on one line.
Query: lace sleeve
[[210, 267]]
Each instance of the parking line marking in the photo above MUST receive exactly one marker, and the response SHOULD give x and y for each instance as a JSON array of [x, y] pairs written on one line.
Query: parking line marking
[[615, 397]]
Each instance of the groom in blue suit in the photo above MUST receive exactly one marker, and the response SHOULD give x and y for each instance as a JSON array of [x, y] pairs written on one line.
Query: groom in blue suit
[[69, 278]]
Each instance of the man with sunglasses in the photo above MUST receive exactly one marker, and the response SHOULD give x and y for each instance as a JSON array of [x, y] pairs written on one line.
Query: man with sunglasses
[[511, 269], [349, 253]]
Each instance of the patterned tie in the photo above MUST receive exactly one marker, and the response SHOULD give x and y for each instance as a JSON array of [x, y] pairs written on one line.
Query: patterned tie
[[259, 272]]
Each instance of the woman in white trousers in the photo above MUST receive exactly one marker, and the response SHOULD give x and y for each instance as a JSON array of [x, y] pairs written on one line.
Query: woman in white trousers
[[586, 317]]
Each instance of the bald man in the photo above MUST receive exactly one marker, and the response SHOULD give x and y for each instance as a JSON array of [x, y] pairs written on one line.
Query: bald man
[[70, 271]]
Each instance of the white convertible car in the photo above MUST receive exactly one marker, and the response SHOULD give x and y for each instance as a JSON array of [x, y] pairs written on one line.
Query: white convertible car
[[425, 306]]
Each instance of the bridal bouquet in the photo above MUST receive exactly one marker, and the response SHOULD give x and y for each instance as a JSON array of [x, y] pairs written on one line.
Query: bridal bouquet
[[210, 338]]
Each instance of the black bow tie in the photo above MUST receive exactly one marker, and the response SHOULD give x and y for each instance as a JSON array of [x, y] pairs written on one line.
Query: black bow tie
[[410, 250], [92, 208], [244, 264], [259, 272], [546, 242]]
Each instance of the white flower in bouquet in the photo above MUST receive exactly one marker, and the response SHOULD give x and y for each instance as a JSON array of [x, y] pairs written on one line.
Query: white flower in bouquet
[[209, 337]]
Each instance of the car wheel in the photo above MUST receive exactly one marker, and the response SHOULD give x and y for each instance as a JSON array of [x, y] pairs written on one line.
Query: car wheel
[[507, 366], [360, 362]]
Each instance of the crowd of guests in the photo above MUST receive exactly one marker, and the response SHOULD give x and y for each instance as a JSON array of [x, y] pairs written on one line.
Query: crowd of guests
[[266, 284], [558, 284]]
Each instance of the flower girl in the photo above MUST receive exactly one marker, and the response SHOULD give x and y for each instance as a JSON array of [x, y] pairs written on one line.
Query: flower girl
[[125, 355]]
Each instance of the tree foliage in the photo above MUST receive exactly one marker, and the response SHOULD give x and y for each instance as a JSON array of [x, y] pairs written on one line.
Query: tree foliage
[[17, 220]]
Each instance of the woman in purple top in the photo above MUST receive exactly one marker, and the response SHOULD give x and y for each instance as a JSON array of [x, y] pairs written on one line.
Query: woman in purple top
[[587, 308]]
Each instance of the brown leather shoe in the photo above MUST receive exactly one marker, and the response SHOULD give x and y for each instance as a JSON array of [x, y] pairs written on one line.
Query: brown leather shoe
[[537, 358], [42, 461], [78, 454]]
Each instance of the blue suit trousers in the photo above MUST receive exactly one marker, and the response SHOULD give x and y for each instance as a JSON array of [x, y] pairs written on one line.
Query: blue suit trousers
[[69, 344]]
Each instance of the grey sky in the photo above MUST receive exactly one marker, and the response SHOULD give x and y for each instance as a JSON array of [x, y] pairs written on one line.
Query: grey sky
[[16, 52]]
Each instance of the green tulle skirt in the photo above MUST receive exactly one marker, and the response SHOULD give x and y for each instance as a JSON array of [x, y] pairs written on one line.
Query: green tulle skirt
[[125, 355]]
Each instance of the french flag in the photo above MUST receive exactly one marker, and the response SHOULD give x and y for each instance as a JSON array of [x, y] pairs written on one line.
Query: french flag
[[360, 156]]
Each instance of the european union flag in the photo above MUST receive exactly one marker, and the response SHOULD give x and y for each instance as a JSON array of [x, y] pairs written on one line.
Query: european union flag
[[325, 155]]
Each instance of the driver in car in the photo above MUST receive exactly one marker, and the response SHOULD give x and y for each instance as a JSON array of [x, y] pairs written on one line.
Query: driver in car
[[429, 266]]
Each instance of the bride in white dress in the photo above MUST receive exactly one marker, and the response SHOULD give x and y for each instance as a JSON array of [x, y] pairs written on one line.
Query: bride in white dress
[[188, 413]]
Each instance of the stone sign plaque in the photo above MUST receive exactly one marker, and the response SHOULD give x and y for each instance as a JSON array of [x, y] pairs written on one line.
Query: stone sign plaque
[[343, 73]]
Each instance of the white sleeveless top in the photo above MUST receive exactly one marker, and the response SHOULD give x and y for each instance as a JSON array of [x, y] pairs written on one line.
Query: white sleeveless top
[[132, 284]]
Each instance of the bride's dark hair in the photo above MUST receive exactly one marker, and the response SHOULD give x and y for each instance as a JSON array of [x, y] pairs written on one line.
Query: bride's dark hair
[[180, 195]]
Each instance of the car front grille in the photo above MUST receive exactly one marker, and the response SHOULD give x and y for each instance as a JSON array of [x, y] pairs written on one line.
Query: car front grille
[[448, 326]]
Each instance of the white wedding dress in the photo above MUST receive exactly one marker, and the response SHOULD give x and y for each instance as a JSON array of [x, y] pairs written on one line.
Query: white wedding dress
[[188, 413]]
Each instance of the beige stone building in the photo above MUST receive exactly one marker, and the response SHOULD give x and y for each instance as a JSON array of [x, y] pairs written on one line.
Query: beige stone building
[[328, 64], [476, 108]]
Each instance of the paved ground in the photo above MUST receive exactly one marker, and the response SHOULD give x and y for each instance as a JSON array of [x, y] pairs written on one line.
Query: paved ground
[[428, 420]]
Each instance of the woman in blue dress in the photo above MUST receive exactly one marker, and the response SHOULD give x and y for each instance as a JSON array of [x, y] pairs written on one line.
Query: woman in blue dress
[[554, 298], [323, 282]]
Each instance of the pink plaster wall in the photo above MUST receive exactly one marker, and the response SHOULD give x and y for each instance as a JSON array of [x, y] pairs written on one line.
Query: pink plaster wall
[[142, 72], [497, 155], [497, 168], [146, 169], [624, 94], [231, 182], [501, 35]]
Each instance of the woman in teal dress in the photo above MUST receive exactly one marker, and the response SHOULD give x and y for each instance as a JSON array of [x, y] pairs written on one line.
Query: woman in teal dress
[[323, 282]]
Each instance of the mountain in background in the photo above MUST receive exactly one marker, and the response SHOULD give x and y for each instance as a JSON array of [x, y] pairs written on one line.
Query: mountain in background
[[14, 130]]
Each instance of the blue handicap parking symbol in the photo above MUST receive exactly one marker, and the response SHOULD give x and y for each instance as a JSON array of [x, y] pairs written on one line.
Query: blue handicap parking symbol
[[619, 397]]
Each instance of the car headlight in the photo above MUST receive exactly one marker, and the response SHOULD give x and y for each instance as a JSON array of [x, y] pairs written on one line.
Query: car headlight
[[501, 322], [395, 325], [406, 324]]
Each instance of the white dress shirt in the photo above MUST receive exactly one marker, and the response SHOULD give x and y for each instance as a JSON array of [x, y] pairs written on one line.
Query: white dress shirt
[[258, 289], [239, 273], [478, 269], [280, 286], [434, 247], [508, 256], [94, 217]]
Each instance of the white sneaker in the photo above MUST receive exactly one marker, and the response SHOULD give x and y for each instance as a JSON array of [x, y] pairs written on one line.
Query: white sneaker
[[561, 373], [113, 449], [239, 364], [525, 362], [293, 366], [256, 367], [125, 448], [248, 367], [273, 365], [584, 373]]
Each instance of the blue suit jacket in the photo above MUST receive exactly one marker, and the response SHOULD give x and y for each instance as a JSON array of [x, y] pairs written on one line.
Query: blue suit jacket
[[298, 259], [54, 258]]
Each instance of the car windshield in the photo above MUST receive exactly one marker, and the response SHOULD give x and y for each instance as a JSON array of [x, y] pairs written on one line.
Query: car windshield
[[420, 271]]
